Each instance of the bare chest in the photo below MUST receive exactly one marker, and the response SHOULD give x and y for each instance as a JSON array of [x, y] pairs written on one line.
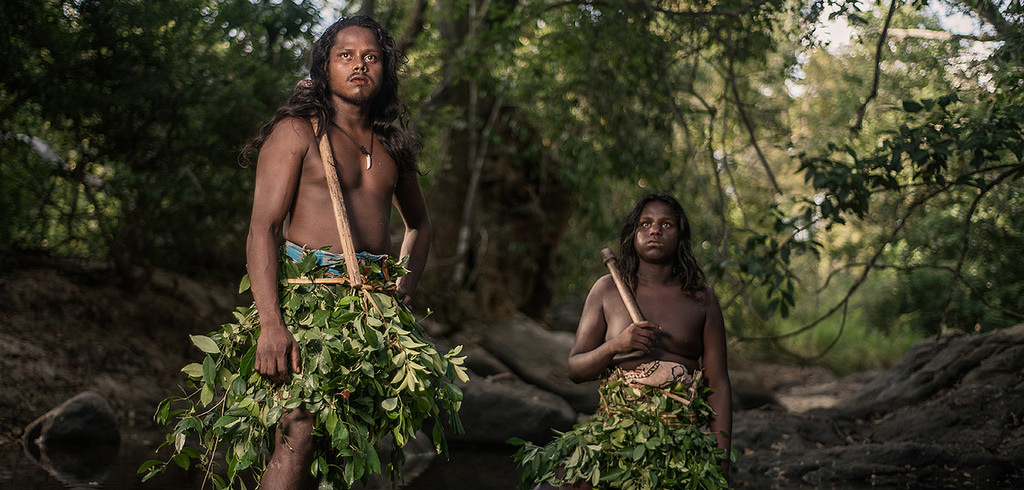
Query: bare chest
[[680, 317], [367, 195]]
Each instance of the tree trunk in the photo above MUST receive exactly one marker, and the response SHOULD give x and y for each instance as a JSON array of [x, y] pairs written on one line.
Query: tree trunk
[[497, 207]]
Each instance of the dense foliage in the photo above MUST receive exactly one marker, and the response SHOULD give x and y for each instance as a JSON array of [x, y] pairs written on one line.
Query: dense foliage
[[135, 112], [642, 438], [369, 375], [867, 181]]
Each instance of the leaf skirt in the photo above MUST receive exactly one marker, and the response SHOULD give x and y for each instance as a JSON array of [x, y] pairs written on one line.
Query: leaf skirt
[[369, 374], [641, 438]]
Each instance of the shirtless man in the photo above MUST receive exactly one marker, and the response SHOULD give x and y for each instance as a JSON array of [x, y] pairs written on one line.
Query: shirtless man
[[683, 319], [352, 91]]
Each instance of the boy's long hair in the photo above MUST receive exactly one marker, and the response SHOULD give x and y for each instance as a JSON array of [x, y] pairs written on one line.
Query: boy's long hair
[[684, 264], [312, 98]]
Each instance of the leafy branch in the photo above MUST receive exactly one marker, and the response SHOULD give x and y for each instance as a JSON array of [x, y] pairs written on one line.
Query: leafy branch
[[368, 373]]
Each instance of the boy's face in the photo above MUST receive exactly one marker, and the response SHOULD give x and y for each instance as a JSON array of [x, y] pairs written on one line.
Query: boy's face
[[355, 66]]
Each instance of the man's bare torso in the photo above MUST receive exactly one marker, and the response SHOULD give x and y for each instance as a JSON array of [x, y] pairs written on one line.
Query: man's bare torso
[[681, 319], [368, 197]]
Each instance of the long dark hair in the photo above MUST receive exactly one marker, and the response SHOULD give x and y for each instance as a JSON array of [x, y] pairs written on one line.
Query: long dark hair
[[311, 97], [684, 264]]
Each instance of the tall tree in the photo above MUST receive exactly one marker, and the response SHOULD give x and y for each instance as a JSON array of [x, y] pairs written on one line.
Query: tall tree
[[144, 105]]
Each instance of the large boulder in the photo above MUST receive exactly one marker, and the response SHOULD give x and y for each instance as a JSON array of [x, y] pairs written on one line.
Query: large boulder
[[86, 418], [947, 415], [937, 364], [540, 357], [500, 407], [77, 442]]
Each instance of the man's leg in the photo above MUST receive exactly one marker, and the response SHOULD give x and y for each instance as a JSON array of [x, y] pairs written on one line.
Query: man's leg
[[293, 449]]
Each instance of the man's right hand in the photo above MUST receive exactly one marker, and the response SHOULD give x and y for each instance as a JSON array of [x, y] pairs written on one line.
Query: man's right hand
[[277, 354]]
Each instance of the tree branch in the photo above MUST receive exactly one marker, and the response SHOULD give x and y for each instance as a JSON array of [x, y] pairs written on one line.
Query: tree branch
[[901, 34], [878, 69], [966, 244], [868, 267], [746, 119], [974, 289]]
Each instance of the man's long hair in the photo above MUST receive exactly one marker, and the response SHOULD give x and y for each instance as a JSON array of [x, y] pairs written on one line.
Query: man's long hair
[[684, 264], [312, 97]]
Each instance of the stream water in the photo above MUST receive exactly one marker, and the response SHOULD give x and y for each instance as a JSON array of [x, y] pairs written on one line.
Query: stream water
[[468, 468]]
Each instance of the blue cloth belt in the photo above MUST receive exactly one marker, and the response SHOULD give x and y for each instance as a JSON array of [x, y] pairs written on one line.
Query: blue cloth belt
[[329, 259]]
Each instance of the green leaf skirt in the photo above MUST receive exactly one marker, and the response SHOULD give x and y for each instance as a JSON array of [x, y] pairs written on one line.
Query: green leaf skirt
[[641, 438], [369, 373]]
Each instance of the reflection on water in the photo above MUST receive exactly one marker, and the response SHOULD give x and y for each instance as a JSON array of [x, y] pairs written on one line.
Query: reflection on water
[[22, 473], [468, 468]]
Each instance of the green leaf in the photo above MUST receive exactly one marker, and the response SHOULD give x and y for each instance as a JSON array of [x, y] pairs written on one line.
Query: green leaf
[[209, 371], [224, 421], [182, 460], [194, 370], [389, 404], [340, 436], [146, 466], [320, 317], [245, 366], [206, 395], [345, 317], [238, 385], [205, 344], [912, 106]]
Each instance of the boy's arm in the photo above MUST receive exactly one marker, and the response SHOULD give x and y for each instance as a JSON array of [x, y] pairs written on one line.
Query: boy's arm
[[277, 175], [416, 242]]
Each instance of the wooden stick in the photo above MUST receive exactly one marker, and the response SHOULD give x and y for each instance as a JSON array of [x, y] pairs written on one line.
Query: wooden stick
[[627, 296], [317, 280], [348, 250]]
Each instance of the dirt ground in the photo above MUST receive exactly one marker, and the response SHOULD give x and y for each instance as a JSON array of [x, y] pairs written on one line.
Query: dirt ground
[[66, 331]]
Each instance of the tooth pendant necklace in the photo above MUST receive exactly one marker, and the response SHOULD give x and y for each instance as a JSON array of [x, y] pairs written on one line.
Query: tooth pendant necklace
[[362, 149]]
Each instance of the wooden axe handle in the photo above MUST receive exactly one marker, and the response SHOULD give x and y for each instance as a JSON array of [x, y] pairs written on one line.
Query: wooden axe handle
[[627, 296]]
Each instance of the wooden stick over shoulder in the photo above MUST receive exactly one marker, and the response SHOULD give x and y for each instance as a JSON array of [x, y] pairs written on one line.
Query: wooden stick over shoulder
[[608, 257], [348, 250]]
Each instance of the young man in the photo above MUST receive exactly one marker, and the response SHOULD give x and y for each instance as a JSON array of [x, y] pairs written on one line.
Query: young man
[[318, 369], [657, 363], [353, 93]]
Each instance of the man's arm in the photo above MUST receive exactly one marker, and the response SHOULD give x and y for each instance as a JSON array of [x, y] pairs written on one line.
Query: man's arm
[[416, 241], [277, 175], [716, 371]]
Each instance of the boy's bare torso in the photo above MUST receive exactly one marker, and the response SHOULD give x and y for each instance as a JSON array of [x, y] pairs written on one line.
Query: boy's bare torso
[[368, 195]]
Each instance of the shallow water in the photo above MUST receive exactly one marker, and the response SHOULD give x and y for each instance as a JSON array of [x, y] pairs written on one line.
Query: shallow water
[[468, 468]]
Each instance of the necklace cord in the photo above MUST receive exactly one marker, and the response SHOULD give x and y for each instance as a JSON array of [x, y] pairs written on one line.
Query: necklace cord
[[362, 148]]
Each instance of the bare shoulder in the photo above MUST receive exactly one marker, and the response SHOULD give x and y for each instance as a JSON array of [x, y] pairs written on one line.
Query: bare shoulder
[[291, 132], [603, 285], [603, 288], [707, 299]]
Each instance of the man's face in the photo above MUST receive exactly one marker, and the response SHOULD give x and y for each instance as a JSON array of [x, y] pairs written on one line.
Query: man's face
[[355, 66], [657, 233]]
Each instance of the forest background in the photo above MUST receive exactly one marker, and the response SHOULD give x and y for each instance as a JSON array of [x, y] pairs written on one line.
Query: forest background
[[848, 197]]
